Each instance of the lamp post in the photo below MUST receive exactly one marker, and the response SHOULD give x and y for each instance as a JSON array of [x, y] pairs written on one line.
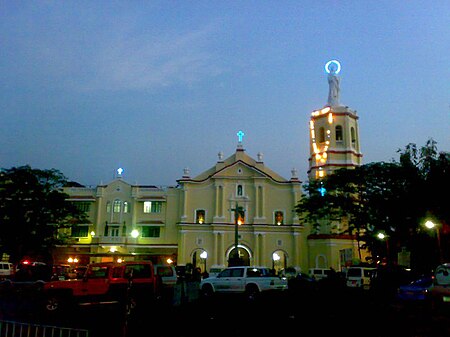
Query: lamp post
[[275, 260], [430, 225], [204, 256], [384, 237], [237, 222]]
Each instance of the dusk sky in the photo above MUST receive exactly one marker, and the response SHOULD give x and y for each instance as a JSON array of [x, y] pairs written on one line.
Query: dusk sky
[[158, 86]]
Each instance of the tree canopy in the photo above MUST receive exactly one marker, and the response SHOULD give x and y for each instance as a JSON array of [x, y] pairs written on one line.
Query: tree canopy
[[394, 198], [32, 209]]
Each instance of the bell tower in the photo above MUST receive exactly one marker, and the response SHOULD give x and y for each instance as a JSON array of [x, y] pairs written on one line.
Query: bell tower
[[333, 132]]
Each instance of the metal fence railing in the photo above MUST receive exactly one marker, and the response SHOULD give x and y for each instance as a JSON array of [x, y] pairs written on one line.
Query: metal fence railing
[[17, 329]]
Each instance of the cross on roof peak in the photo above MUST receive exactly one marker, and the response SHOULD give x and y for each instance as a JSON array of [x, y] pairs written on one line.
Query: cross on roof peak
[[240, 135]]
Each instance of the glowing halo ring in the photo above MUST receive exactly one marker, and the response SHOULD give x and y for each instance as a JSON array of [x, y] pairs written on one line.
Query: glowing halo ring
[[336, 62]]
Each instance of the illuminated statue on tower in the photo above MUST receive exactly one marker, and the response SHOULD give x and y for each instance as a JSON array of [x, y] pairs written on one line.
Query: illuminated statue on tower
[[333, 68]]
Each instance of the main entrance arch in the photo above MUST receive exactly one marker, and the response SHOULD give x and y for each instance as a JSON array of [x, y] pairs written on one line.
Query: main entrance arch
[[244, 256]]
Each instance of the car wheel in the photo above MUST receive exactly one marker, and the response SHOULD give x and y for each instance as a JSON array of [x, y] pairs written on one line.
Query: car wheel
[[207, 291], [251, 292], [53, 303]]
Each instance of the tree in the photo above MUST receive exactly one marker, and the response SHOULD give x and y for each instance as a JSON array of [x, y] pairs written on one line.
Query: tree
[[393, 198], [32, 209]]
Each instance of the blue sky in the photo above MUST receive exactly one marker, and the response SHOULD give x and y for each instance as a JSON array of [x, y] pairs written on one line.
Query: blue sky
[[157, 86]]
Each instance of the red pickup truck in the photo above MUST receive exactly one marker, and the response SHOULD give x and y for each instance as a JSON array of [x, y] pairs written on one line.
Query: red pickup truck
[[127, 283]]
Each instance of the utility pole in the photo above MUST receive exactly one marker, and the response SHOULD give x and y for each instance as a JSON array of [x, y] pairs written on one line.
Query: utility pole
[[237, 211]]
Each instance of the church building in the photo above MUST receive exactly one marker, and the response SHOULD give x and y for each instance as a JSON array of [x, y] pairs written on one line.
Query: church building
[[238, 211]]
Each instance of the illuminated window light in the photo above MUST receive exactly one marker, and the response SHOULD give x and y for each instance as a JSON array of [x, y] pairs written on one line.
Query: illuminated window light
[[321, 174], [318, 156], [325, 110], [330, 118]]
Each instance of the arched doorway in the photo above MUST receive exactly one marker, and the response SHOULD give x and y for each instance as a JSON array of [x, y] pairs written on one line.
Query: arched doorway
[[244, 256], [279, 260], [200, 259]]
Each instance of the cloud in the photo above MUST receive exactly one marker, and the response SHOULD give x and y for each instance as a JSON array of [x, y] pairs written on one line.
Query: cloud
[[147, 62]]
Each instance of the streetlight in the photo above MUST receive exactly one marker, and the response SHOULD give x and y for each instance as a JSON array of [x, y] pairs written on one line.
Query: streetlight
[[275, 259], [204, 256], [384, 237], [430, 225]]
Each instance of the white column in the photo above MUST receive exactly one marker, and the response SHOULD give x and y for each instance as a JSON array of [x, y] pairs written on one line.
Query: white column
[[181, 250], [257, 252], [263, 256], [184, 216], [216, 248]]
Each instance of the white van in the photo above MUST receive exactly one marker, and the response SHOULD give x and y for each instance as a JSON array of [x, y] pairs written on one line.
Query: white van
[[359, 277], [319, 273], [6, 270]]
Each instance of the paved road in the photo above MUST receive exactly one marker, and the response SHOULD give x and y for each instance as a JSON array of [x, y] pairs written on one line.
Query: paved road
[[297, 312]]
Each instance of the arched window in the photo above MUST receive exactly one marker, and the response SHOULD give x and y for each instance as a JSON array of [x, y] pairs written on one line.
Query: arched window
[[322, 135], [352, 134], [200, 216], [240, 191], [116, 206], [339, 133]]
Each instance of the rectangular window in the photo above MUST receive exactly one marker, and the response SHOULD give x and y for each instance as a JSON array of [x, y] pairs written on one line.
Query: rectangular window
[[152, 206], [79, 231], [150, 232], [114, 231], [138, 270], [98, 272], [279, 218], [83, 206], [200, 216], [126, 207]]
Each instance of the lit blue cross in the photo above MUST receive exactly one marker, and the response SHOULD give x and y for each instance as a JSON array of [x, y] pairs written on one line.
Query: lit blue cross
[[119, 171], [240, 134], [322, 191]]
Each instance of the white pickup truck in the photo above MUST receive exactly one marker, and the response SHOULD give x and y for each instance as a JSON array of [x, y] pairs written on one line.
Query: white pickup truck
[[248, 280]]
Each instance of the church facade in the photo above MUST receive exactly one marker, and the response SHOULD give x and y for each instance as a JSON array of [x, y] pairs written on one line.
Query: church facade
[[237, 211]]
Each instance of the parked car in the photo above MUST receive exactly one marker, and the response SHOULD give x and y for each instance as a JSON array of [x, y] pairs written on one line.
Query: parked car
[[214, 271], [417, 290], [7, 270], [290, 272], [359, 277], [167, 273], [440, 291], [247, 280], [319, 273], [386, 279]]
